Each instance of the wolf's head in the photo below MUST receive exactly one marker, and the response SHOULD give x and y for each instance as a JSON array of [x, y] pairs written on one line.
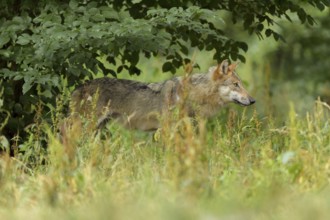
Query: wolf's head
[[229, 86]]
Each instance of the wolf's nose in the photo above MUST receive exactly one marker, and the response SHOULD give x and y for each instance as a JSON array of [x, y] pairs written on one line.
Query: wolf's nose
[[252, 101]]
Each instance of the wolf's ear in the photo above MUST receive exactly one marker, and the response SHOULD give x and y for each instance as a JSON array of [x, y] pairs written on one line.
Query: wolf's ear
[[224, 67], [220, 70], [233, 66]]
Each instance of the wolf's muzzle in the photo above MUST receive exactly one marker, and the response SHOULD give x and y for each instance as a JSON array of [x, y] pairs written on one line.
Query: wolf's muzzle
[[252, 100], [245, 102]]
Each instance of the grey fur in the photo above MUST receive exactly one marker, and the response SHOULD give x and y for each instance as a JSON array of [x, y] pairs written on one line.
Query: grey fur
[[139, 105]]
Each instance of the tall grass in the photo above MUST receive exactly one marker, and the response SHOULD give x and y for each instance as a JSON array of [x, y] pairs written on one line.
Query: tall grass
[[240, 167], [245, 164]]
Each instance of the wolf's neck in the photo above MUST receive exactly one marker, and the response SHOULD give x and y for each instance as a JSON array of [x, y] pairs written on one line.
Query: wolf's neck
[[201, 95], [200, 88]]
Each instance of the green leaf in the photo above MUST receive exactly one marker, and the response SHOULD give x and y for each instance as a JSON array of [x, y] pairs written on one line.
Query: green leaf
[[241, 58], [73, 4], [177, 63], [24, 39], [109, 13], [311, 20], [320, 6], [243, 46], [47, 93], [7, 73], [4, 39], [167, 67], [5, 53], [111, 59], [268, 32], [184, 49], [233, 56], [27, 86], [287, 17], [302, 15], [76, 23], [120, 69], [133, 70], [93, 11], [18, 77], [98, 17], [260, 27], [105, 70]]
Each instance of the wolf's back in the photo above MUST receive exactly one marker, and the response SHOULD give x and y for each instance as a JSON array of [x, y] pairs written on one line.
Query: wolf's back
[[122, 99]]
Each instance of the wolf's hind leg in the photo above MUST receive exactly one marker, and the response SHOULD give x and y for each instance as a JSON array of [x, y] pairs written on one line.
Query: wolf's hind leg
[[103, 120], [100, 129]]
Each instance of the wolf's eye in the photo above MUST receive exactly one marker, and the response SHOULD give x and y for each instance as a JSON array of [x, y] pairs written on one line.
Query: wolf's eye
[[236, 84]]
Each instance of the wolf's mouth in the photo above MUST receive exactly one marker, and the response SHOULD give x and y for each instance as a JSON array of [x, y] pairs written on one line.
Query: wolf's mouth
[[240, 103]]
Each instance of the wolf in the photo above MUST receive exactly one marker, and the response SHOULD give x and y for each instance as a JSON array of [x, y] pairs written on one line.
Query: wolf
[[139, 105]]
